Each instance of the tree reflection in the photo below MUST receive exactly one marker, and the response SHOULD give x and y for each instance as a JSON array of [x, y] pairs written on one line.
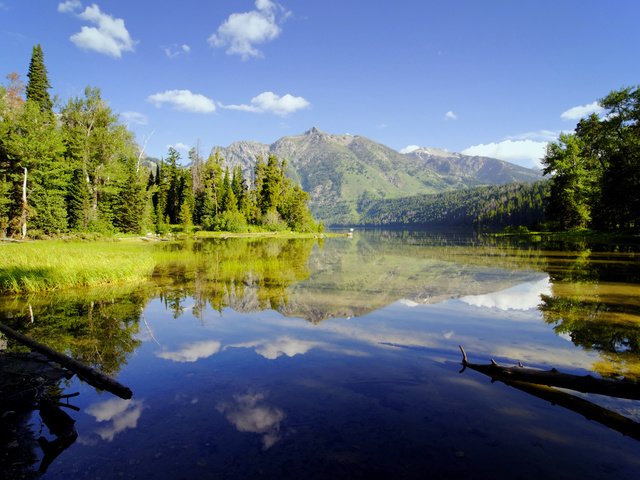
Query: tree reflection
[[96, 327], [595, 302], [243, 273]]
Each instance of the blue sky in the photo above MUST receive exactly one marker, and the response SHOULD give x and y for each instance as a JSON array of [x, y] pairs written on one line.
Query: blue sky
[[498, 78]]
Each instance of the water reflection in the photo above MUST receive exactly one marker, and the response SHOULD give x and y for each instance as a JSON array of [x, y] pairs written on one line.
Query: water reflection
[[595, 302], [541, 384], [272, 349], [192, 351], [118, 415], [590, 296], [98, 327], [353, 340], [250, 413], [521, 297]]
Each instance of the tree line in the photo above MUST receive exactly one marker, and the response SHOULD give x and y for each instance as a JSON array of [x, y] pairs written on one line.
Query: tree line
[[493, 206], [595, 170], [80, 170]]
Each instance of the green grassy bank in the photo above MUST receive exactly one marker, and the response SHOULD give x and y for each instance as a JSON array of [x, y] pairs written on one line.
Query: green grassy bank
[[53, 264], [46, 265]]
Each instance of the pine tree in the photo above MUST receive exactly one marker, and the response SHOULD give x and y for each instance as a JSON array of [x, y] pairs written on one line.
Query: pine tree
[[271, 185], [78, 201], [173, 178], [38, 86], [131, 202]]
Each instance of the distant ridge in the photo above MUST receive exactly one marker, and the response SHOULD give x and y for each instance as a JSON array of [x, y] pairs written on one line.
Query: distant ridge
[[340, 172]]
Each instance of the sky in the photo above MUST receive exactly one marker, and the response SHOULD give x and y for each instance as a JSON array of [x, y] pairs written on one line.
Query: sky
[[497, 78]]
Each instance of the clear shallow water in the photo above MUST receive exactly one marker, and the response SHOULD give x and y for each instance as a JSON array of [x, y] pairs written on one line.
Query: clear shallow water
[[341, 360]]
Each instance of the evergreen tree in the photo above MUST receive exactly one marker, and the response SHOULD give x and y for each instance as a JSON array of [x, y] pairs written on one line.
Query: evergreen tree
[[208, 201], [159, 198], [95, 142], [569, 202], [174, 185], [31, 151], [187, 200], [5, 205], [229, 200], [258, 184], [271, 185], [294, 209], [131, 201], [38, 86], [596, 171], [78, 202]]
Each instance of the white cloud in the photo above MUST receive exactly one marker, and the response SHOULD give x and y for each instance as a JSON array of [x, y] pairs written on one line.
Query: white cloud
[[581, 111], [110, 37], [526, 153], [450, 116], [241, 32], [269, 102], [538, 136], [183, 100], [192, 351], [69, 6], [410, 148], [176, 50], [178, 146], [134, 118]]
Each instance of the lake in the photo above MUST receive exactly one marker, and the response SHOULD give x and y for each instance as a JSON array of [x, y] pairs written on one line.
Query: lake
[[339, 358]]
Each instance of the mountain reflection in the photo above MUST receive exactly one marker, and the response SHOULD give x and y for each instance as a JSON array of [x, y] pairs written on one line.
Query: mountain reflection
[[590, 297]]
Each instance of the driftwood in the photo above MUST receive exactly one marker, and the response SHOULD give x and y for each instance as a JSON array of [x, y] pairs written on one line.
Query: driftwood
[[554, 378], [90, 375], [538, 387]]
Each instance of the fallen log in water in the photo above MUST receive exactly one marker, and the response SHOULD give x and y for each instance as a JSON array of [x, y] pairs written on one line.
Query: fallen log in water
[[512, 376], [90, 375], [587, 409], [554, 378]]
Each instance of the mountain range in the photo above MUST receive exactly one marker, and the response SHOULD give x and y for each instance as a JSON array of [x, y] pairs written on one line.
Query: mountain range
[[340, 172]]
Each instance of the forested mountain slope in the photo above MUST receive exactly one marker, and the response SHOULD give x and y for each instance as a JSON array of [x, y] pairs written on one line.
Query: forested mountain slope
[[342, 171]]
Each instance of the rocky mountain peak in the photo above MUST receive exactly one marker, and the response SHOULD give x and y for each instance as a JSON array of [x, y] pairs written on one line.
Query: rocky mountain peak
[[436, 152], [338, 170], [314, 131]]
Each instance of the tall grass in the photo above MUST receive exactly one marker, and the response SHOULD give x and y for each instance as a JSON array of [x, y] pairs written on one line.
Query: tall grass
[[51, 265]]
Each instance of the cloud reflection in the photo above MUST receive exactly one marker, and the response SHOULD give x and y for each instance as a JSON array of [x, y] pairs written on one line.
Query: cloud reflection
[[521, 297], [118, 414], [248, 413], [272, 349], [192, 351]]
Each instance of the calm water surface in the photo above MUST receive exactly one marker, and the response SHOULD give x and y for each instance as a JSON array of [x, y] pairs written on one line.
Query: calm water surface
[[339, 359]]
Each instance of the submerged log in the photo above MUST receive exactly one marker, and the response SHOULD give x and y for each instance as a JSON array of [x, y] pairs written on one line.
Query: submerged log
[[554, 378], [90, 375]]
